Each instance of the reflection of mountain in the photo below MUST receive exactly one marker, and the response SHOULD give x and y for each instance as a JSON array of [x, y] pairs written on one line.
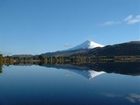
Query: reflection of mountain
[[94, 74], [84, 71], [89, 74], [94, 70], [119, 68]]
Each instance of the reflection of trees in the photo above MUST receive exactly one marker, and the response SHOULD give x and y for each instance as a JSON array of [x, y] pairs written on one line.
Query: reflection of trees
[[0, 68], [0, 59], [1, 63]]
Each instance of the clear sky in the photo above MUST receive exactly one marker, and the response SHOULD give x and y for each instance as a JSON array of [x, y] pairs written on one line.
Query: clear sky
[[38, 26]]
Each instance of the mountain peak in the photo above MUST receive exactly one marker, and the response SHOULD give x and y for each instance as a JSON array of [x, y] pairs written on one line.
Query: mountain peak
[[88, 41], [87, 45]]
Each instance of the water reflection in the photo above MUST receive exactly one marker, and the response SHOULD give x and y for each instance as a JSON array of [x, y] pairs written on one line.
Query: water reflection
[[0, 68], [65, 84], [119, 68], [132, 98], [81, 70], [93, 70]]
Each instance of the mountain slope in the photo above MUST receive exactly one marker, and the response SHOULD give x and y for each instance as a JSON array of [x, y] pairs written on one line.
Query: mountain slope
[[129, 48]]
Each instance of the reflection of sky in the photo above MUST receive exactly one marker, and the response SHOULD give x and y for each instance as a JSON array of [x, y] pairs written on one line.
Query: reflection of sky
[[26, 83], [133, 97]]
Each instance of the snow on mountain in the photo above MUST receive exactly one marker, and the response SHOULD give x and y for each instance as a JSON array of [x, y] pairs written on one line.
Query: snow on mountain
[[86, 45]]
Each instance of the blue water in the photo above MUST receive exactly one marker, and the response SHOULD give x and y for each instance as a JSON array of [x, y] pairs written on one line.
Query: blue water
[[37, 85]]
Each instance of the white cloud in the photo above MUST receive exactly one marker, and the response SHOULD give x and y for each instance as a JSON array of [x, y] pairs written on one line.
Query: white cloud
[[109, 23], [131, 19], [128, 18]]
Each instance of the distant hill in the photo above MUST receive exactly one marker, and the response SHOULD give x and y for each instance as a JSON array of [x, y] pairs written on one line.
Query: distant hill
[[22, 56], [129, 48], [64, 53]]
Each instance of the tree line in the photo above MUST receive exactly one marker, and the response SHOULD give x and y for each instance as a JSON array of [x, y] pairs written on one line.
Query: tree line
[[74, 59]]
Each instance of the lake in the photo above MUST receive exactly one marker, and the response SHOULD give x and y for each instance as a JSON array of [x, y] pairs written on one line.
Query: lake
[[67, 85]]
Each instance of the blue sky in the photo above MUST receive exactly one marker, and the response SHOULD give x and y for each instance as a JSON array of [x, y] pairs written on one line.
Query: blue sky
[[38, 26]]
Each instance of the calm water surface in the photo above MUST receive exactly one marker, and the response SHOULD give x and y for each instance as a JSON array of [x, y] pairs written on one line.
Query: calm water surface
[[37, 85]]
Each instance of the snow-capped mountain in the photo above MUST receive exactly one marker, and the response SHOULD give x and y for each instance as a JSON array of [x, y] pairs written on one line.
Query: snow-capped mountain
[[75, 50], [86, 45]]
